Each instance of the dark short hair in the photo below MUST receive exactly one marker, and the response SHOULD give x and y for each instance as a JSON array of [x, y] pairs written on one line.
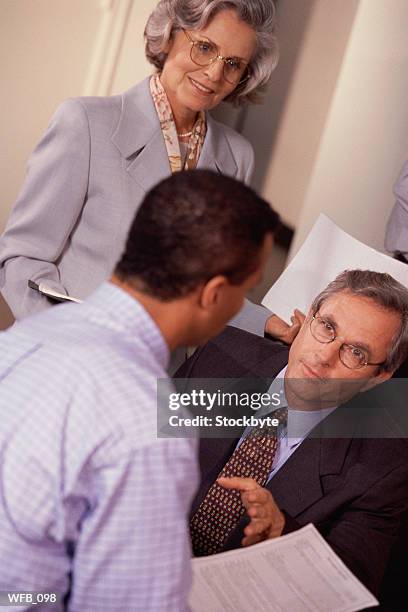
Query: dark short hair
[[191, 227], [385, 291]]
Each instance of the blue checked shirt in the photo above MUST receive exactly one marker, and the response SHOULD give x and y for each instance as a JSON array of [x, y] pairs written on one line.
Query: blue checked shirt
[[87, 488]]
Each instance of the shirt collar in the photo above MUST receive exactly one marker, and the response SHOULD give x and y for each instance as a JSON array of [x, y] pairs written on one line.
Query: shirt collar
[[300, 422], [126, 314]]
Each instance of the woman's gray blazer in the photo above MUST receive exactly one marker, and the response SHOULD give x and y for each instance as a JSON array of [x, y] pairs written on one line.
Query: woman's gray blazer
[[85, 181]]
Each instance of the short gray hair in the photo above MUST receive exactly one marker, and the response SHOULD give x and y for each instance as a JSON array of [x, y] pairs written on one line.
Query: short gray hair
[[171, 16], [385, 291]]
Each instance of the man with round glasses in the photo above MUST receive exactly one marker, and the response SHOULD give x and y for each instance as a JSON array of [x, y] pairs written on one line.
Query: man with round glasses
[[341, 461], [353, 357]]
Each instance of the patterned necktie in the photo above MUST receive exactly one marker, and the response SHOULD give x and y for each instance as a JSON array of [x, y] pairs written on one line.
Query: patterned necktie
[[221, 509]]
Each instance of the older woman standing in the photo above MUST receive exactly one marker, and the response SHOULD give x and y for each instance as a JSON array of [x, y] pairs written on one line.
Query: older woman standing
[[100, 155]]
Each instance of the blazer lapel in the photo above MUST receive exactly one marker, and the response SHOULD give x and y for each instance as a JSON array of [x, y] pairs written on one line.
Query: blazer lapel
[[298, 483], [216, 153], [138, 137], [151, 164]]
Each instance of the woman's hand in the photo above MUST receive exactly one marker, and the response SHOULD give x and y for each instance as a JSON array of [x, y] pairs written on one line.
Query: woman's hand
[[267, 521], [280, 330]]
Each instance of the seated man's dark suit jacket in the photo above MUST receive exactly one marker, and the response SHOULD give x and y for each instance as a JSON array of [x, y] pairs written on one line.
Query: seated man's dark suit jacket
[[354, 490]]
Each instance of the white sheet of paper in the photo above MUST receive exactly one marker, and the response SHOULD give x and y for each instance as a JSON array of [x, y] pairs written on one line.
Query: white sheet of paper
[[297, 572], [327, 251]]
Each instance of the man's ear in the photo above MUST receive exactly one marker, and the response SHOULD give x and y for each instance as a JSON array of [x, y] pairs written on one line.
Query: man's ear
[[211, 293], [376, 380]]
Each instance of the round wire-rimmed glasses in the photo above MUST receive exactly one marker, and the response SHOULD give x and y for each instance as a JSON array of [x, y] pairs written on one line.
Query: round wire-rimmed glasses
[[353, 357], [205, 52]]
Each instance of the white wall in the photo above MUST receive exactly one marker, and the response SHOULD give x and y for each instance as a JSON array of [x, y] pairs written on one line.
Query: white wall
[[365, 137]]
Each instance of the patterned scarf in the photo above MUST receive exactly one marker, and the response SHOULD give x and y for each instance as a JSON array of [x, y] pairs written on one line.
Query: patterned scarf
[[169, 130]]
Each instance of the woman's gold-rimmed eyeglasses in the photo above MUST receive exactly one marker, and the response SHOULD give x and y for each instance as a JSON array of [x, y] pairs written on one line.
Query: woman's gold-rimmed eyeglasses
[[205, 52]]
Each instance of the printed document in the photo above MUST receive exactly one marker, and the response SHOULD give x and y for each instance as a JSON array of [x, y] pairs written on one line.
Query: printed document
[[297, 572]]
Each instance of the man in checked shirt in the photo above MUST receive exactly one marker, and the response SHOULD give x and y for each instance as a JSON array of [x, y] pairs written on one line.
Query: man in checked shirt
[[93, 504]]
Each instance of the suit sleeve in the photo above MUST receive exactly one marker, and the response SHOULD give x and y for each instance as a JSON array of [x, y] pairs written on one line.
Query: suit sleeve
[[46, 211], [396, 236], [249, 165]]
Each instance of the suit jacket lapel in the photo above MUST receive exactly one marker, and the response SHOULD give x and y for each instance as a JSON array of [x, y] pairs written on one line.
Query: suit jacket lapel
[[151, 165], [298, 484], [138, 137], [216, 153]]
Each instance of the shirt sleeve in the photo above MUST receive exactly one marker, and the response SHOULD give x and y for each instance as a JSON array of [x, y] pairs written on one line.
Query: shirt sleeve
[[46, 210], [251, 318], [134, 551]]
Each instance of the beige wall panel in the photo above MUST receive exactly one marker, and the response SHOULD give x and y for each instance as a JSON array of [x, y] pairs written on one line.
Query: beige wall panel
[[299, 98], [45, 46], [365, 138], [132, 65]]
